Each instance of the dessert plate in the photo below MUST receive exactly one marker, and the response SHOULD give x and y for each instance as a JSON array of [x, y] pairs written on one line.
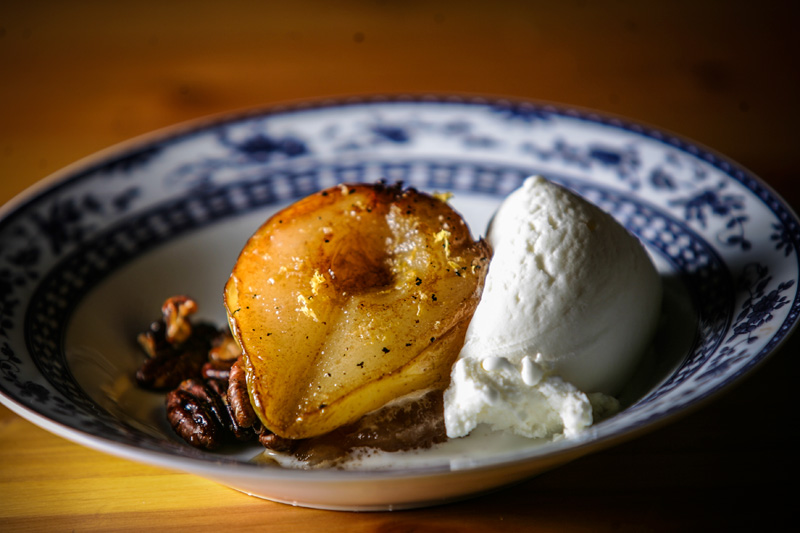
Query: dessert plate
[[88, 256]]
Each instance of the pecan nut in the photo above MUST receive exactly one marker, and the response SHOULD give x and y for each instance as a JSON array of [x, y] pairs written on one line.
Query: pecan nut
[[244, 415], [218, 370], [154, 340], [216, 392], [271, 441], [192, 420], [225, 348], [239, 398], [209, 404], [198, 411], [166, 371]]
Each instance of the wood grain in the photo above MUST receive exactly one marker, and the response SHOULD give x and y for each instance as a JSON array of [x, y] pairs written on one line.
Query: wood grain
[[77, 77]]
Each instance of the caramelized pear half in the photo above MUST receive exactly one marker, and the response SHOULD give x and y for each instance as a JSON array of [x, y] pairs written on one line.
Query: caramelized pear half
[[350, 298]]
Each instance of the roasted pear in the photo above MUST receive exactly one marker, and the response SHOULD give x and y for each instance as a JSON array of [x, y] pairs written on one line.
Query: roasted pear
[[350, 298]]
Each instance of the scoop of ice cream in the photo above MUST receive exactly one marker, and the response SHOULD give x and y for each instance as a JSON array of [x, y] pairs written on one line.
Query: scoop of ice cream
[[570, 303]]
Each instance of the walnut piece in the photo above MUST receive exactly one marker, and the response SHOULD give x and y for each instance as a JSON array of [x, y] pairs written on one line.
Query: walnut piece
[[176, 348], [176, 311]]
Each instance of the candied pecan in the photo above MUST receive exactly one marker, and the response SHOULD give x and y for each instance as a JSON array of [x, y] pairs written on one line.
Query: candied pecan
[[203, 334], [154, 340], [220, 386], [271, 441], [172, 362], [241, 433], [220, 370], [224, 348], [216, 394], [166, 371], [175, 311], [193, 421], [238, 396], [210, 397]]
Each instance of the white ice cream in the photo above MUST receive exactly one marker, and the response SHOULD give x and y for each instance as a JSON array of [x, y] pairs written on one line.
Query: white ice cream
[[570, 303]]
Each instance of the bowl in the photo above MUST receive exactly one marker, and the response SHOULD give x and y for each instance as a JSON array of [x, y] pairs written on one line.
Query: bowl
[[88, 256]]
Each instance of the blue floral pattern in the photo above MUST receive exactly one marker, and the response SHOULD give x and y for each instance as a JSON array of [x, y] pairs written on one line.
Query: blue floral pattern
[[759, 307], [729, 240]]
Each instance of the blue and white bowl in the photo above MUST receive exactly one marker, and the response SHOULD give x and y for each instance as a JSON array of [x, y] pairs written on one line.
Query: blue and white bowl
[[87, 257]]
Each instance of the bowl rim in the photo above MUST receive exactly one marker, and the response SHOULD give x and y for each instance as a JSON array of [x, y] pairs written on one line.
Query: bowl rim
[[183, 130]]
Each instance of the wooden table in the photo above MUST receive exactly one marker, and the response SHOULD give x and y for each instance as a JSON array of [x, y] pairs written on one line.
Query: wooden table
[[78, 77]]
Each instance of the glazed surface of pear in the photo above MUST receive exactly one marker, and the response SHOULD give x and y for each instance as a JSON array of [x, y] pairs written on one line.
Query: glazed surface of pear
[[350, 298]]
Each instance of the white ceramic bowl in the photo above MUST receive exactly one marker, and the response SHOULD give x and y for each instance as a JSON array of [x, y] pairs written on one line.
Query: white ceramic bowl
[[87, 257]]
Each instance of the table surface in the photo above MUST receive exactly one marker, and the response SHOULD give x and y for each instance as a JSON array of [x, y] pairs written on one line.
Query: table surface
[[76, 77]]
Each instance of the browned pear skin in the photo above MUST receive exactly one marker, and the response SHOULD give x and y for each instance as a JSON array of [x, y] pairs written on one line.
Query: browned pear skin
[[350, 298]]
